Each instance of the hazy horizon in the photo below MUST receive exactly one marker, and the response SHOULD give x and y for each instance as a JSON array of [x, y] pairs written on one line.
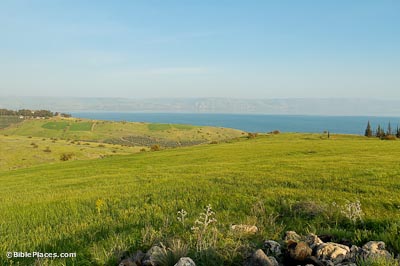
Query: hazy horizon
[[287, 106], [200, 49]]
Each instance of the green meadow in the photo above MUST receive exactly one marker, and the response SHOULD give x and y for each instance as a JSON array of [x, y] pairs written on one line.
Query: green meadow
[[22, 151], [122, 133], [101, 208]]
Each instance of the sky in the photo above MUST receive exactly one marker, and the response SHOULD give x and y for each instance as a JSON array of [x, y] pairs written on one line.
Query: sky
[[200, 48]]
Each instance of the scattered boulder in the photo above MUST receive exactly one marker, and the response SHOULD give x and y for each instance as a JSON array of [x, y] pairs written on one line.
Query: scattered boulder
[[260, 259], [244, 228], [374, 249], [292, 235], [298, 251], [313, 241], [354, 253], [272, 248], [185, 261], [149, 257], [333, 252]]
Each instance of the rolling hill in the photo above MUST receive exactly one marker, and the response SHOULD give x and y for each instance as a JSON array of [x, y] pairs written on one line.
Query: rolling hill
[[123, 133], [101, 208]]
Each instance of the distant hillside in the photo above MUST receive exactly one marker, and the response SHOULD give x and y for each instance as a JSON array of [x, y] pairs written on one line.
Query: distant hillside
[[210, 105], [123, 133]]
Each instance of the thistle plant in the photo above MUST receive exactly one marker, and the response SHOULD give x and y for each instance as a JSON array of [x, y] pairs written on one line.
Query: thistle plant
[[181, 216], [205, 233], [353, 211]]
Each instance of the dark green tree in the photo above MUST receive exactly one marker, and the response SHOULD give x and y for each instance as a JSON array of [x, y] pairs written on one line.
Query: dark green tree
[[368, 131], [380, 133], [389, 130], [398, 132]]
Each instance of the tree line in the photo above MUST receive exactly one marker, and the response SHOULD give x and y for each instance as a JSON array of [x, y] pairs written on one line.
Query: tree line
[[31, 113], [381, 133]]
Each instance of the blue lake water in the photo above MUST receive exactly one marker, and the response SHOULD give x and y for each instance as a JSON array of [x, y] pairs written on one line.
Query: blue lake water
[[255, 123]]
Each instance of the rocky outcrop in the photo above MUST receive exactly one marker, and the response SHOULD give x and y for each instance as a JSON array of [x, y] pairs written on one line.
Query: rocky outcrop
[[259, 258], [294, 249], [333, 252], [272, 248], [312, 250], [185, 261], [374, 249], [244, 228]]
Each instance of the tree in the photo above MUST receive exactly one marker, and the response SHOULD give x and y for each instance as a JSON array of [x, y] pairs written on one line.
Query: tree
[[389, 130], [368, 131], [398, 132], [380, 133]]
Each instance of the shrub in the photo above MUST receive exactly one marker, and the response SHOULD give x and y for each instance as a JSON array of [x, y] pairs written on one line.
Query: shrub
[[353, 211], [142, 149], [252, 135], [66, 156], [275, 132], [389, 137], [101, 145], [155, 147], [214, 142], [47, 149]]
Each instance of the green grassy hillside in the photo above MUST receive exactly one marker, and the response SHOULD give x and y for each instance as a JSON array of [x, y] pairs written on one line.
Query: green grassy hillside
[[302, 182], [21, 151], [124, 133]]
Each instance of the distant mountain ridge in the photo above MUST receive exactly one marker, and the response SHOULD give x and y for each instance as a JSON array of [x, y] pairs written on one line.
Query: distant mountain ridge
[[289, 106]]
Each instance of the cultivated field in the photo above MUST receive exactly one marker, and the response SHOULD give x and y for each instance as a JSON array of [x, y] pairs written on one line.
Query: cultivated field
[[123, 133], [100, 208]]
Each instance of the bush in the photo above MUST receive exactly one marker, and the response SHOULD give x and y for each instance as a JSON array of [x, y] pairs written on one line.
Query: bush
[[155, 147], [47, 149], [389, 137], [66, 156], [142, 149], [252, 135], [214, 142]]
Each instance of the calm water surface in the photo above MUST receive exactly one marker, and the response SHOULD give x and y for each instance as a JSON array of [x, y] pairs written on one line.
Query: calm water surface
[[255, 123]]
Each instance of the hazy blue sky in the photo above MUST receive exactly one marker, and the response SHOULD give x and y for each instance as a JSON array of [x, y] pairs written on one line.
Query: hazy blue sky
[[202, 48]]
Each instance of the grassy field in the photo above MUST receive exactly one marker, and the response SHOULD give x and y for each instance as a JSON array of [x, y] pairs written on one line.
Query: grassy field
[[21, 151], [303, 182], [124, 133]]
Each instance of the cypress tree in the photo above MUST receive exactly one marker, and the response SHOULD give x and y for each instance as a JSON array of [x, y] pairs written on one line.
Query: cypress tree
[[389, 130], [368, 131], [398, 132], [378, 132]]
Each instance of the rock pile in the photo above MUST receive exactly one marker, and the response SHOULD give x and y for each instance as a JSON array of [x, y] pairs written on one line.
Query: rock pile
[[311, 250], [293, 250]]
